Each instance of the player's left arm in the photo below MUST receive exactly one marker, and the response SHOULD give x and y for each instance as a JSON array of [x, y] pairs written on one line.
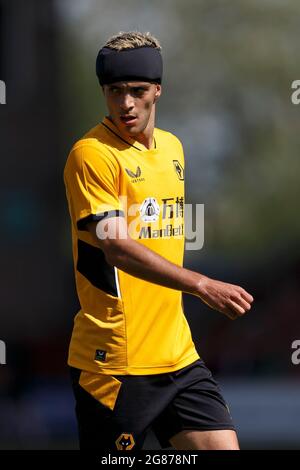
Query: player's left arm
[[128, 255]]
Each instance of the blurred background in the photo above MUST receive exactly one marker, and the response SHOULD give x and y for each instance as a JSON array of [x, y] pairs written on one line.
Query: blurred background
[[227, 95]]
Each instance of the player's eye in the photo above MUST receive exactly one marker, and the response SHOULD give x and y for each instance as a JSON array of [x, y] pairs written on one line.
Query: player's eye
[[139, 90]]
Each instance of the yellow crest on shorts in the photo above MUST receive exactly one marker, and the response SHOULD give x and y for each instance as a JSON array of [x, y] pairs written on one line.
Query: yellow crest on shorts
[[125, 441]]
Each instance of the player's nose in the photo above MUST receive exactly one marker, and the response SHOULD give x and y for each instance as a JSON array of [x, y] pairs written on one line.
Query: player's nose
[[126, 102]]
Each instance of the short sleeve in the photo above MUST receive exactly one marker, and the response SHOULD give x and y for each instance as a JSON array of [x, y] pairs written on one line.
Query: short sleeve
[[92, 185]]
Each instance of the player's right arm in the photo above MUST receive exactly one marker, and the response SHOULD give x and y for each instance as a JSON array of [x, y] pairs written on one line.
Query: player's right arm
[[137, 260], [92, 180]]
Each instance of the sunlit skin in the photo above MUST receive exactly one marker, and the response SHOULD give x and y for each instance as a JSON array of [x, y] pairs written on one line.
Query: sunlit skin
[[136, 99]]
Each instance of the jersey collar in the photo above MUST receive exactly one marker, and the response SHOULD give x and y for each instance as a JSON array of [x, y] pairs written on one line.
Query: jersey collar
[[134, 143]]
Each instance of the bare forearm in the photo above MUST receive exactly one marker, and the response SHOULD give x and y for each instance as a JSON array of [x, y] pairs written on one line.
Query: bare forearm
[[134, 258], [141, 262]]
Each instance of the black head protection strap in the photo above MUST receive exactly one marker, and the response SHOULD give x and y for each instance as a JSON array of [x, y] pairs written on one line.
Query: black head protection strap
[[142, 64]]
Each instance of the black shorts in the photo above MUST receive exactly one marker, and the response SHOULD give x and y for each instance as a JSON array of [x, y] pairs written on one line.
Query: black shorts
[[167, 403]]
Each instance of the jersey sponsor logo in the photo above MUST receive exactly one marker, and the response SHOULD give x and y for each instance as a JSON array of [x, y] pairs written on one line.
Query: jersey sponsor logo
[[136, 176], [171, 224], [100, 355], [149, 210], [179, 169], [166, 232], [125, 441]]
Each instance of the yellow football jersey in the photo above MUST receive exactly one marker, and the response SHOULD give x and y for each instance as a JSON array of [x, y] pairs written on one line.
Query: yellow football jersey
[[127, 325]]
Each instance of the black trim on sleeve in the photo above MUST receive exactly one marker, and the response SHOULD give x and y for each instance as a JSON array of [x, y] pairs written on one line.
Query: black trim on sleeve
[[81, 224]]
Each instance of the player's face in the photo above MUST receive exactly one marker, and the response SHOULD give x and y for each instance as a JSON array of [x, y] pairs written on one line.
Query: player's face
[[130, 104]]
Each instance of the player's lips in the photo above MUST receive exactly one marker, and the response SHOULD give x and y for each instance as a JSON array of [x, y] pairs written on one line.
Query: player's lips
[[128, 119]]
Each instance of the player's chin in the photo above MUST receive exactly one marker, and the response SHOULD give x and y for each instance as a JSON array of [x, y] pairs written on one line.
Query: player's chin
[[132, 128]]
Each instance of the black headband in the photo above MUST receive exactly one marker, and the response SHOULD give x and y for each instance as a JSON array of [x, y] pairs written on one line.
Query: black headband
[[142, 63]]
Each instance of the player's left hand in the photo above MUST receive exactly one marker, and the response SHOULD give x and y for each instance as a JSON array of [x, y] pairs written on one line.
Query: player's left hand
[[232, 300]]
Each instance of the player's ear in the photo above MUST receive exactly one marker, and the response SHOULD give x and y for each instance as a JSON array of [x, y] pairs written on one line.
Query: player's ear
[[157, 92]]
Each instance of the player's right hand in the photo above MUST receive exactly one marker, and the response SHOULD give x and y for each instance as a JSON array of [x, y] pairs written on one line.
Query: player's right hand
[[229, 299]]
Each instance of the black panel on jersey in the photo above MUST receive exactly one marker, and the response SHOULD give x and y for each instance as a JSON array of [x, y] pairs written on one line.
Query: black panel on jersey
[[94, 267]]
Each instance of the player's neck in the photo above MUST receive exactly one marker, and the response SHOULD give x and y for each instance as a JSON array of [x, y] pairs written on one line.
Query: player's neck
[[146, 137]]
